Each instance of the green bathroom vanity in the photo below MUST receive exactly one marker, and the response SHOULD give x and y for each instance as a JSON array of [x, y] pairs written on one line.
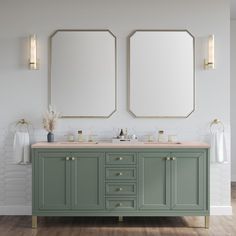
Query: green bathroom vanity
[[107, 179]]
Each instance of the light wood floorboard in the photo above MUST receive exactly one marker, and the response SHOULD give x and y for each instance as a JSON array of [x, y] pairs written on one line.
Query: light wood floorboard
[[131, 226]]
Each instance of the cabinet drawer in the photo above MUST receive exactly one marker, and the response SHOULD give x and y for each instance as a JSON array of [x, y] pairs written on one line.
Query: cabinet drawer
[[121, 173], [120, 158], [121, 188], [121, 204]]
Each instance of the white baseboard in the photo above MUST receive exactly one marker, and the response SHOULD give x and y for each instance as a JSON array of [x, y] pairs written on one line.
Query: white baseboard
[[233, 178], [221, 210], [15, 210]]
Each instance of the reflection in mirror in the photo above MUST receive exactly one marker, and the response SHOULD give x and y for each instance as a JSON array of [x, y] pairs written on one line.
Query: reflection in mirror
[[83, 73], [162, 74]]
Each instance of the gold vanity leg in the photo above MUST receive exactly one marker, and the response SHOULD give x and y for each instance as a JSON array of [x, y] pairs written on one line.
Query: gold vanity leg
[[207, 222], [120, 219], [34, 222]]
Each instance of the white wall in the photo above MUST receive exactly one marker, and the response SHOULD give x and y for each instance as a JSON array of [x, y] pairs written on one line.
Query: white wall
[[23, 93], [233, 98]]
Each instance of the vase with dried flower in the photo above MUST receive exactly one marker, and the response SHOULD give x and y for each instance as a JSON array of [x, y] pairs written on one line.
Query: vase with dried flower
[[49, 122]]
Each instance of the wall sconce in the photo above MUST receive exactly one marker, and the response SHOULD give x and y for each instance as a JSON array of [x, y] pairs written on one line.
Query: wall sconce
[[33, 60], [210, 62]]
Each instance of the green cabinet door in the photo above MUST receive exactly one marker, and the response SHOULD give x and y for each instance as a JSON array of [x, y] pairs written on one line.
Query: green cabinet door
[[188, 178], [87, 181], [53, 172], [154, 181]]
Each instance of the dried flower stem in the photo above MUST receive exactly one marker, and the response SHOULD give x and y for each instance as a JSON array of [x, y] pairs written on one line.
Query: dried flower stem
[[50, 119]]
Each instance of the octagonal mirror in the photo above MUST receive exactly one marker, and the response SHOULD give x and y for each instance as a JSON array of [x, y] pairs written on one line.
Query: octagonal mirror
[[83, 73], [161, 73]]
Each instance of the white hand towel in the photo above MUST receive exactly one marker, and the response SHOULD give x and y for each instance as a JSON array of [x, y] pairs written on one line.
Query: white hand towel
[[21, 147], [218, 147]]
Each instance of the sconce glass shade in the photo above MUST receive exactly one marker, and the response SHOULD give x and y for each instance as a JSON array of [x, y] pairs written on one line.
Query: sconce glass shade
[[33, 61], [210, 62]]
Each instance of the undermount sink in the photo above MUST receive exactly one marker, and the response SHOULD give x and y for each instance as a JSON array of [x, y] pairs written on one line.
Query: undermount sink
[[77, 143], [162, 143]]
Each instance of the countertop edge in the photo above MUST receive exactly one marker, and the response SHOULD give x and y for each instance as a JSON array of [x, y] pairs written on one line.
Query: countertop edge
[[186, 145]]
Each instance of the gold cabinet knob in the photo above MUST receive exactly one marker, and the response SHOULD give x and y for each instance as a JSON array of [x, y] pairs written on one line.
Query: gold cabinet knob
[[72, 158], [119, 189], [119, 174], [67, 158], [173, 158], [119, 204], [119, 158], [167, 158]]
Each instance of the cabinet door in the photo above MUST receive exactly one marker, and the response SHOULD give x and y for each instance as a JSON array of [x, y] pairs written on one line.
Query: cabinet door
[[54, 181], [188, 178], [87, 181], [154, 181]]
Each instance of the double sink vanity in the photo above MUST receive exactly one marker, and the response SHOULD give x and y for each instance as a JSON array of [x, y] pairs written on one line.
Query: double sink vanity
[[122, 179], [107, 179]]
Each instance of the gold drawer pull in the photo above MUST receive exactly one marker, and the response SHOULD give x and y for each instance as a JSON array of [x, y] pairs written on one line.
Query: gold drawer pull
[[119, 189], [168, 158], [72, 158], [119, 158], [119, 174], [119, 204], [67, 158], [173, 158]]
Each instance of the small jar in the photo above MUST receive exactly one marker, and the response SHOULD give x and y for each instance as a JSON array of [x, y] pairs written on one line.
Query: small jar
[[172, 138], [70, 137], [150, 138]]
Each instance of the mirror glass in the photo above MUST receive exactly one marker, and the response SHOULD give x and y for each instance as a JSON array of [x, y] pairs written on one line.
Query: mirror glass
[[83, 73], [162, 74]]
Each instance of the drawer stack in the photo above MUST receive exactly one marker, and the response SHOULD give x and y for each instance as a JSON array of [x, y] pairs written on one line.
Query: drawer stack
[[121, 185]]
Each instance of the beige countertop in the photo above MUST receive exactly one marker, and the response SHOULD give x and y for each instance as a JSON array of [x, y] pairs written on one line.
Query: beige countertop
[[119, 145]]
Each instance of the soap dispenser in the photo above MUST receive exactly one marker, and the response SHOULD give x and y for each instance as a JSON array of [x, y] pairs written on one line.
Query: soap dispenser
[[161, 136], [122, 135], [80, 136]]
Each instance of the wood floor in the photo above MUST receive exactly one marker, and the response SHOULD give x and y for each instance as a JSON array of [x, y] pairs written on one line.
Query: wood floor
[[132, 226]]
